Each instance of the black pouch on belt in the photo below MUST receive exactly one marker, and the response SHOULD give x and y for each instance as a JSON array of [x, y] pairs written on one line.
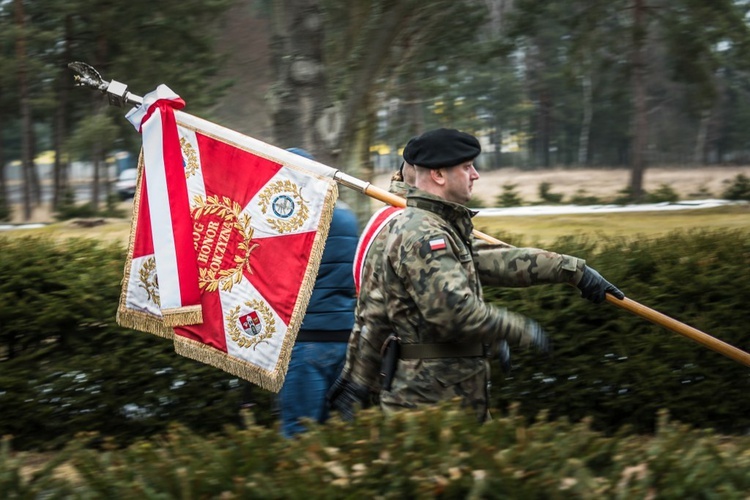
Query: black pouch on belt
[[390, 353]]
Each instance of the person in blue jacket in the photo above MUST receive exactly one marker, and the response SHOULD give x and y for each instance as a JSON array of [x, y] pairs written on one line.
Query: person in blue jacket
[[319, 353]]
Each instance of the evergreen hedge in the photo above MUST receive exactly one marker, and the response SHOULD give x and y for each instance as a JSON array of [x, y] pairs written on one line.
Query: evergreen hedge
[[66, 367], [436, 453], [619, 368]]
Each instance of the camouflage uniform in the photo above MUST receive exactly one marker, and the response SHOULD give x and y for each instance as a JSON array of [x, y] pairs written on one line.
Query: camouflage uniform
[[363, 361], [428, 296]]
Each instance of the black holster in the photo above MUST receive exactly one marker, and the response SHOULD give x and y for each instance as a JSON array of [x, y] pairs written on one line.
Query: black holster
[[390, 353]]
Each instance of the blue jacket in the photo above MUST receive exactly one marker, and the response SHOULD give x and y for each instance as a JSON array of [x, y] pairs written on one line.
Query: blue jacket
[[331, 307]]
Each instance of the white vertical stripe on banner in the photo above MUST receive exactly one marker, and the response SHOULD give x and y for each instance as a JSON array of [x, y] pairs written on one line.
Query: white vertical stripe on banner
[[161, 216]]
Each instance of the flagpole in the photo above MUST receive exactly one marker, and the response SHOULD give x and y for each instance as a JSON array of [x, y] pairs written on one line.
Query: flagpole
[[118, 95]]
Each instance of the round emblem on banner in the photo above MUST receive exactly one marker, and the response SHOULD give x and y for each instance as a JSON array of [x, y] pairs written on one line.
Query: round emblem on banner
[[252, 328], [283, 206]]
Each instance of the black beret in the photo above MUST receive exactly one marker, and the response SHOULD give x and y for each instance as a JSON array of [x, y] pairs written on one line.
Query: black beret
[[440, 148]]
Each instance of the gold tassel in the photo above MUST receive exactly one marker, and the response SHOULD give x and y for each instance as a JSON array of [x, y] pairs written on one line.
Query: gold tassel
[[206, 354], [190, 315], [144, 322]]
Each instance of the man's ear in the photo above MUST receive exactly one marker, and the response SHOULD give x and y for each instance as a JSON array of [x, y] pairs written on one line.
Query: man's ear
[[438, 176]]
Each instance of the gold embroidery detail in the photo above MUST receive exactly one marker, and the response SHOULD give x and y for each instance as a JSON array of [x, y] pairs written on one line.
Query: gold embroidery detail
[[149, 281], [191, 158], [238, 334], [284, 225], [231, 213]]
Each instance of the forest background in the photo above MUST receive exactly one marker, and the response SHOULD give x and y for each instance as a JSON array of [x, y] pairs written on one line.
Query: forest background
[[625, 84]]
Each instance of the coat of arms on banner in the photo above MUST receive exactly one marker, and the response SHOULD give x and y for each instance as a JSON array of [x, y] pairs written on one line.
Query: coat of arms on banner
[[259, 217]]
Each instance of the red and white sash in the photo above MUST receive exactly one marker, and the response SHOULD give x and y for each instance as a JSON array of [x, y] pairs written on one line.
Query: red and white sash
[[376, 224]]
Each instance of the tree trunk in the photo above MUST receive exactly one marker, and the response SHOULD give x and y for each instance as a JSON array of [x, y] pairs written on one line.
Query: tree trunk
[[699, 153], [640, 120], [4, 195], [358, 153], [27, 156], [303, 115], [61, 125], [583, 141], [544, 128]]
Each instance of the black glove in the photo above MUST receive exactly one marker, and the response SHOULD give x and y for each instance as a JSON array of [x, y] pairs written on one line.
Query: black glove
[[344, 395], [595, 288], [537, 337], [504, 356]]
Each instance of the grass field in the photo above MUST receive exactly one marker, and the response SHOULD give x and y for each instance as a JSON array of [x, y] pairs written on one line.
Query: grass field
[[538, 230]]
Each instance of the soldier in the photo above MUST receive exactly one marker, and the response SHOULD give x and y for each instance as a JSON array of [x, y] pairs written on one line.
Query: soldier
[[421, 304]]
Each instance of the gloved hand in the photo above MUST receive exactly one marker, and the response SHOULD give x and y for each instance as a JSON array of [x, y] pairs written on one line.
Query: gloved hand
[[533, 335], [504, 356], [344, 395], [594, 288]]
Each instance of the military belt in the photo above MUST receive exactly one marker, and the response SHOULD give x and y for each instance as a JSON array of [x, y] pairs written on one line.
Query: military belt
[[442, 350]]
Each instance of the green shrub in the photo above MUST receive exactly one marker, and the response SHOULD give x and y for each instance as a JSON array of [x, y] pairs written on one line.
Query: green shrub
[[475, 202], [581, 198], [737, 189], [701, 193], [546, 195], [5, 209], [509, 197], [436, 453], [665, 193]]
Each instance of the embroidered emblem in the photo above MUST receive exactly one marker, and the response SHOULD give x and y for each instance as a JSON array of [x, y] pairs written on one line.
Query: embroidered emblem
[[251, 323], [437, 244], [283, 206], [252, 329], [189, 158], [149, 281], [284, 199], [221, 231]]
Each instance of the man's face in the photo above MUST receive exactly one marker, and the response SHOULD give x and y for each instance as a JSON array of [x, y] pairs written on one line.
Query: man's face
[[459, 181]]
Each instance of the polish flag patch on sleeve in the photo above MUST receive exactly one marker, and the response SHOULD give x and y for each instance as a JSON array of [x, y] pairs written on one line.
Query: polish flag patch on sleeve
[[437, 244]]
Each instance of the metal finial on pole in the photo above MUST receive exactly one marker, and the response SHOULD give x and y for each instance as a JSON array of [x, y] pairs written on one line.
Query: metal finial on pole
[[117, 92]]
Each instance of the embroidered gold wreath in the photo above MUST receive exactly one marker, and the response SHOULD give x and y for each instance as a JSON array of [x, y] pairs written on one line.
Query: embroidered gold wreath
[[149, 280], [284, 225], [191, 159], [239, 336], [231, 213]]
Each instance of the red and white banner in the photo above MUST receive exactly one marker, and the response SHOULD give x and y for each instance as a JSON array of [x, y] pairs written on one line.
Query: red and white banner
[[258, 218]]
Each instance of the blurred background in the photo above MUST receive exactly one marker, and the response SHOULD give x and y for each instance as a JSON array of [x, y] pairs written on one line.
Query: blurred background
[[616, 84]]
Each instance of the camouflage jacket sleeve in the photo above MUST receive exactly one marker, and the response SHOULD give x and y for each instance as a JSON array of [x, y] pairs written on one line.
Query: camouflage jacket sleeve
[[363, 358], [440, 286], [521, 267]]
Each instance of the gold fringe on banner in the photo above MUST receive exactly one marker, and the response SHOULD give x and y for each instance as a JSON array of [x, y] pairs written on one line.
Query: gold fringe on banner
[[308, 282], [144, 322], [189, 315]]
